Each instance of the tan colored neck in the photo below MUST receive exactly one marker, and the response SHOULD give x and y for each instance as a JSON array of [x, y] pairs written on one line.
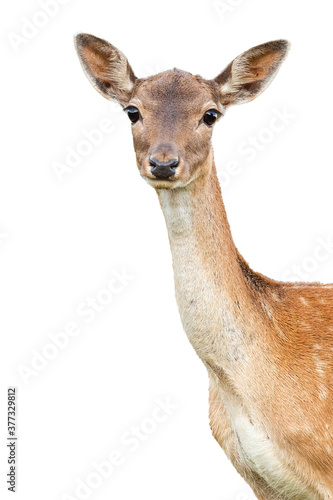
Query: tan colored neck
[[198, 227], [211, 288]]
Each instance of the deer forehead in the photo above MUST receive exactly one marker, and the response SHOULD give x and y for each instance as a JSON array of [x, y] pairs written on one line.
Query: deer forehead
[[176, 91]]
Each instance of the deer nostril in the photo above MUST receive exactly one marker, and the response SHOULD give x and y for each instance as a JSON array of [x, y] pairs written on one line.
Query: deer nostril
[[154, 162], [163, 169]]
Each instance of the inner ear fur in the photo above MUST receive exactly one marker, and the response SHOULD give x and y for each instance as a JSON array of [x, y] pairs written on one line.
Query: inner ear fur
[[106, 67], [249, 74]]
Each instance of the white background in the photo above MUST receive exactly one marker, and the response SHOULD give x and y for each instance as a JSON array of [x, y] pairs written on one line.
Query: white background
[[60, 240]]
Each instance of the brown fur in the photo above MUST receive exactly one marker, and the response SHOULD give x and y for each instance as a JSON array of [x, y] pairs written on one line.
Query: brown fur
[[267, 345]]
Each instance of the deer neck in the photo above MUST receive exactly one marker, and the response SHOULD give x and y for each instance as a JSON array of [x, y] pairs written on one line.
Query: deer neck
[[212, 292]]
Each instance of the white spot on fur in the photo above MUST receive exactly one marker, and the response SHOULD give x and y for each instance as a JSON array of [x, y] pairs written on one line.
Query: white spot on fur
[[322, 392], [319, 366], [267, 310]]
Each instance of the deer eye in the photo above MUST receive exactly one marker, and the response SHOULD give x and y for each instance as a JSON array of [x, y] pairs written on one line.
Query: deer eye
[[132, 113], [211, 116]]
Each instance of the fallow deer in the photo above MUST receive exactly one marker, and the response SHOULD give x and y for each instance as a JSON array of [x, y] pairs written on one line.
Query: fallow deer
[[267, 345]]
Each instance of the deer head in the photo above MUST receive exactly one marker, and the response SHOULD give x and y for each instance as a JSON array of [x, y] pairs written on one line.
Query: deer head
[[173, 113]]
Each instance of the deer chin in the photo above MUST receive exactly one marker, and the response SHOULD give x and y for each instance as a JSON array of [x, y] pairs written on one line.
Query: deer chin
[[164, 183]]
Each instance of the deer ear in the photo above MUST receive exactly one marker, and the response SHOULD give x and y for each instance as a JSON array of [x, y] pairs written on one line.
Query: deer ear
[[250, 73], [106, 67]]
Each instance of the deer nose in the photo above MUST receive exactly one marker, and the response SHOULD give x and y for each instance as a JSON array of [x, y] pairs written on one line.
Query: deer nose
[[163, 169]]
